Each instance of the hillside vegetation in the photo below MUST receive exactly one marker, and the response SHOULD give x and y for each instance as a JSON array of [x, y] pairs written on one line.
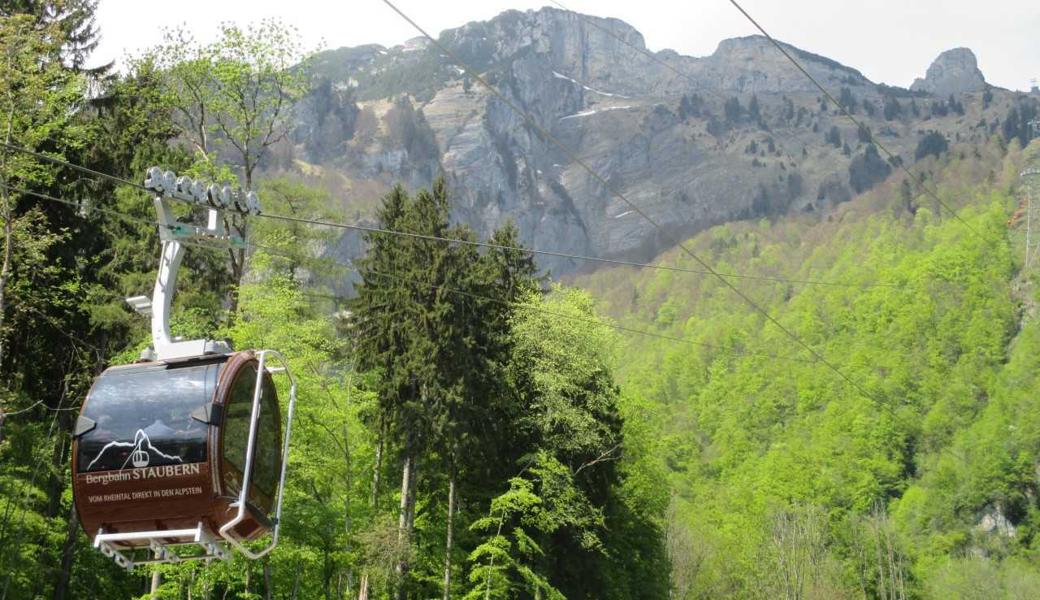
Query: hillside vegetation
[[912, 473]]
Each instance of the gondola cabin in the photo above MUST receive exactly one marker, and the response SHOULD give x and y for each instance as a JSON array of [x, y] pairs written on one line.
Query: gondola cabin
[[164, 447], [185, 447]]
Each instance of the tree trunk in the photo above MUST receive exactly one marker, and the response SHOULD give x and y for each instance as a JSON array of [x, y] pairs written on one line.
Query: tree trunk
[[67, 556], [376, 470], [268, 594], [156, 581], [203, 141], [402, 520], [406, 522], [5, 268], [882, 580], [8, 217], [411, 497], [449, 537], [296, 583], [238, 258], [491, 563], [348, 524], [238, 264]]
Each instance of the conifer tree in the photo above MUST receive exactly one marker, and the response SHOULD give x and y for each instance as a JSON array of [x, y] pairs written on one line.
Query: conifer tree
[[432, 321]]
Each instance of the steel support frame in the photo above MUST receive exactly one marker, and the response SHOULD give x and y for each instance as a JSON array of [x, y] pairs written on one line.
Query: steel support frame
[[161, 549], [174, 236]]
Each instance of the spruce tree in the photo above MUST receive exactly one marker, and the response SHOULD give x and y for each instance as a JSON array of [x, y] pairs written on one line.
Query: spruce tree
[[432, 321]]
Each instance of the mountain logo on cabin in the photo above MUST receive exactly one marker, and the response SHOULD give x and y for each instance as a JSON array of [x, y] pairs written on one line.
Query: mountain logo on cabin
[[141, 455]]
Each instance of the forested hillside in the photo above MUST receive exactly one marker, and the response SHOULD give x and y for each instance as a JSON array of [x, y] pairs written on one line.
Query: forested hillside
[[912, 473], [471, 427]]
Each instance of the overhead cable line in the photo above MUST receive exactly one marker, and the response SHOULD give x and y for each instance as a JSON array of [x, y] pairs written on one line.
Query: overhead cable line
[[79, 205], [372, 229], [525, 306], [892, 157], [549, 137], [52, 434], [113, 213], [611, 261], [34, 405], [350, 266]]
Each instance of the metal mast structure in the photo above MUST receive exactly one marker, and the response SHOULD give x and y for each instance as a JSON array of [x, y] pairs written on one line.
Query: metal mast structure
[[213, 202]]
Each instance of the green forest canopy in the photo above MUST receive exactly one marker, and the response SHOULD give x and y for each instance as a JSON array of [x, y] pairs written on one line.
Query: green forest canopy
[[785, 480]]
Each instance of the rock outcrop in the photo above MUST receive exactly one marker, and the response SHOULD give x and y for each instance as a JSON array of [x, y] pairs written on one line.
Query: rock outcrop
[[954, 72], [692, 142], [994, 522]]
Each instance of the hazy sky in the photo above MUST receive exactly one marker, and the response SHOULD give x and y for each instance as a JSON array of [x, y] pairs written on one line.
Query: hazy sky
[[890, 41]]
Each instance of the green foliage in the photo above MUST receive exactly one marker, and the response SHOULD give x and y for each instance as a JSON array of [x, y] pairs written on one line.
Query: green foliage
[[847, 100], [979, 577], [537, 504], [562, 352], [408, 129], [1016, 126], [892, 109], [733, 110], [231, 101], [867, 170], [690, 105], [932, 144], [464, 400], [938, 438], [293, 249], [235, 94], [451, 360], [833, 137]]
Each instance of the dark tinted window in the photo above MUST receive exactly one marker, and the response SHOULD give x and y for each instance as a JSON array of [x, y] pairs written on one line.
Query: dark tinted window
[[143, 417], [236, 426], [269, 452], [267, 459]]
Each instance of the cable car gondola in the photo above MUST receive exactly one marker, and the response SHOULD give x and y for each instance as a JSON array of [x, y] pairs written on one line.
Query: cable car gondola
[[185, 447]]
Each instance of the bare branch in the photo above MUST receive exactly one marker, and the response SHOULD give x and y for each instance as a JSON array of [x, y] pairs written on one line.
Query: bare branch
[[606, 456]]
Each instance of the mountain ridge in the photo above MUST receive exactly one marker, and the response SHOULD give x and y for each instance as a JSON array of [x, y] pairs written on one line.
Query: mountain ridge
[[695, 142]]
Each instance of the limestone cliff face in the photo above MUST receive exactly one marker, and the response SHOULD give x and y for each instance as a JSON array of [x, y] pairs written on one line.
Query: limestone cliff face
[[954, 72], [737, 134]]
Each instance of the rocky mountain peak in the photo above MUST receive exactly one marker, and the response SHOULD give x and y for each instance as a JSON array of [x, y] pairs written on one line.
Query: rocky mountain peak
[[580, 46], [752, 64], [539, 31], [742, 46], [524, 27], [693, 141], [955, 72]]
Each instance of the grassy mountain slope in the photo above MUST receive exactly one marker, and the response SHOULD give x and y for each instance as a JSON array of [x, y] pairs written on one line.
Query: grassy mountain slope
[[787, 478]]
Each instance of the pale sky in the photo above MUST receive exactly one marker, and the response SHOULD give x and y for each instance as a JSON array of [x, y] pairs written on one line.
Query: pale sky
[[889, 41]]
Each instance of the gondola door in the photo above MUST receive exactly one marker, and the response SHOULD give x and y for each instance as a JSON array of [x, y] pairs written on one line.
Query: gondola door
[[252, 455]]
